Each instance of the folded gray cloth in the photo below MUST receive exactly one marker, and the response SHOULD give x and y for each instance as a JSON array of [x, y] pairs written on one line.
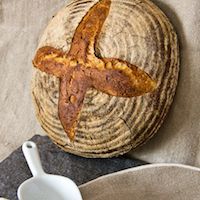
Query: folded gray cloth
[[14, 170]]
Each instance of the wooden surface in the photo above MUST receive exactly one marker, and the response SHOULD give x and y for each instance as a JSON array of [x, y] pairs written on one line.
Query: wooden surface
[[135, 31], [22, 23]]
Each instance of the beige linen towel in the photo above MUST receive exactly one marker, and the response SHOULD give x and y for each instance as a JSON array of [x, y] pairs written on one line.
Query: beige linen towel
[[21, 24], [151, 182], [179, 137]]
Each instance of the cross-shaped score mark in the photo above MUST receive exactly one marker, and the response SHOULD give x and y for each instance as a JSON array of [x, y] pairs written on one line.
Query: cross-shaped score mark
[[80, 69]]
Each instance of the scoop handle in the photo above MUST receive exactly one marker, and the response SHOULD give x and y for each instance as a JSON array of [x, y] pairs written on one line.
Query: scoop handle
[[31, 154]]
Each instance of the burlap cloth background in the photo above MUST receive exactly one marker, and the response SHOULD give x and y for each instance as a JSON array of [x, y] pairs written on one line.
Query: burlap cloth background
[[21, 24]]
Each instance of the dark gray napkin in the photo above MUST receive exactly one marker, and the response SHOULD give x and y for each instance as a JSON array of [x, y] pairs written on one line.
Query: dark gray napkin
[[14, 170]]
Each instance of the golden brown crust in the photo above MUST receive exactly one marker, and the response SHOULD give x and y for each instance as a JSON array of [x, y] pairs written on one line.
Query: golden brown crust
[[88, 30], [73, 87], [80, 69], [124, 79], [50, 60]]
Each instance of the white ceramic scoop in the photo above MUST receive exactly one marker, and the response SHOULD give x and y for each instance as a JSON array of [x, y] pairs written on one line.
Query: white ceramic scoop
[[44, 186]]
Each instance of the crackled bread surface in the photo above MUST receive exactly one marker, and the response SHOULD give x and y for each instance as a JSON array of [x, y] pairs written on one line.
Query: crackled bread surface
[[136, 32]]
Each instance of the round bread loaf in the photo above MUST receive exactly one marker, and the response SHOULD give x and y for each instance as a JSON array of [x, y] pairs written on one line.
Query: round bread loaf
[[136, 31]]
